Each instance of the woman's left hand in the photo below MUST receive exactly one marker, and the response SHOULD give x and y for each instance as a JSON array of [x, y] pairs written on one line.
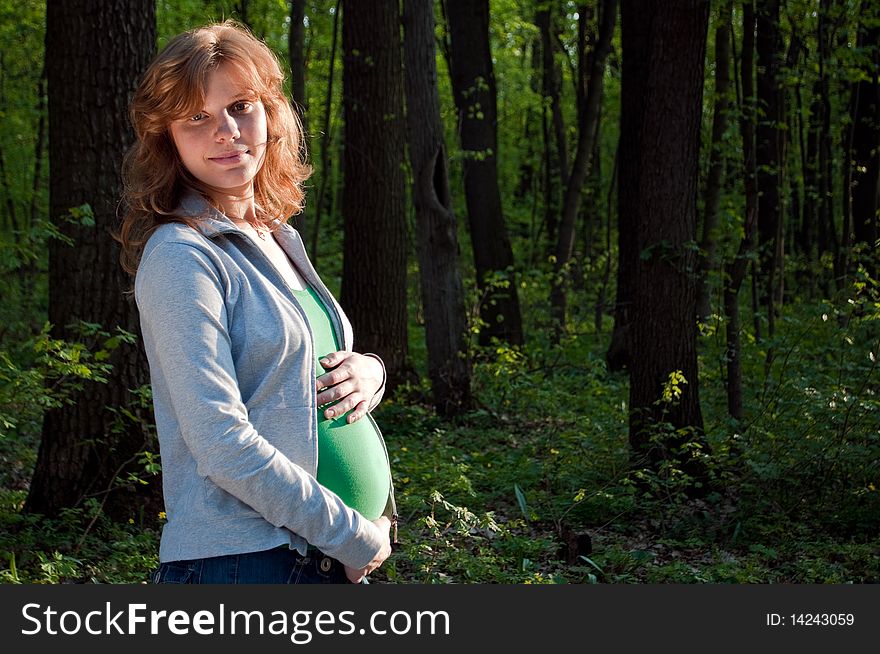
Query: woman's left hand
[[351, 382]]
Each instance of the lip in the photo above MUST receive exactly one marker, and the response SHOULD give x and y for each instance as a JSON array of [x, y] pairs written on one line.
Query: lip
[[230, 157]]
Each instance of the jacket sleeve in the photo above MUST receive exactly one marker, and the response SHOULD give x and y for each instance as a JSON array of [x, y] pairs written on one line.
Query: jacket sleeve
[[182, 297], [374, 402]]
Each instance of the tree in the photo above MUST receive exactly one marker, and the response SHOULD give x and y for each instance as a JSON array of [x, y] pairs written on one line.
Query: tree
[[770, 158], [663, 103], [863, 155], [716, 158], [95, 52], [297, 58], [375, 250], [473, 85], [436, 228], [588, 119], [736, 270], [555, 161], [326, 140]]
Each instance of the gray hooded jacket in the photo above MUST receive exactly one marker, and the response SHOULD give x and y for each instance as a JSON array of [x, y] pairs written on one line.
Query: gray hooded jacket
[[233, 379]]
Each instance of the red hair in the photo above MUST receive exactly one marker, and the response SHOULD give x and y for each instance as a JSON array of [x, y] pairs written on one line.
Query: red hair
[[172, 87]]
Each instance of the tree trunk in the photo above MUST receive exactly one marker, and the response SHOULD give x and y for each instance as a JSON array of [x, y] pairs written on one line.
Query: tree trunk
[[555, 158], [736, 271], [670, 41], [552, 88], [299, 100], [375, 250], [587, 121], [827, 233], [770, 158], [864, 156], [637, 24], [436, 229], [95, 53], [473, 85], [326, 143], [716, 160]]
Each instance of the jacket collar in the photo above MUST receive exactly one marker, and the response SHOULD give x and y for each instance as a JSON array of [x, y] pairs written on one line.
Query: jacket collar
[[210, 221]]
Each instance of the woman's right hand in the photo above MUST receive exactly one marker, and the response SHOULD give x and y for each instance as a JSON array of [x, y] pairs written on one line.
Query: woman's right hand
[[356, 575]]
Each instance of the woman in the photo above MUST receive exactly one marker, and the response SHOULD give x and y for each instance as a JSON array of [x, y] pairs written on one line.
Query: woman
[[244, 340]]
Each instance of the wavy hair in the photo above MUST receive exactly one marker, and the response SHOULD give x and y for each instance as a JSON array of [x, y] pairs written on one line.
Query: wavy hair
[[174, 86]]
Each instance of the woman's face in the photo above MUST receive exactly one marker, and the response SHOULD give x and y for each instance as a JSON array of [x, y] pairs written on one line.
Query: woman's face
[[224, 144]]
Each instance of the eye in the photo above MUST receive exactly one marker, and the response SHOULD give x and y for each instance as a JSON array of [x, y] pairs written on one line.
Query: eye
[[197, 117], [242, 107]]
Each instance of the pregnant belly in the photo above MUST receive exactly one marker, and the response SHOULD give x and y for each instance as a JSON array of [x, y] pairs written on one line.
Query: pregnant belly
[[352, 463]]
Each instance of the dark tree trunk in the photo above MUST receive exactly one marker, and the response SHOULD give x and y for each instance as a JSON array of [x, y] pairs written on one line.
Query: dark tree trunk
[[864, 155], [95, 52], [242, 8], [555, 148], [770, 157], [736, 271], [374, 267], [473, 85], [827, 233], [637, 23], [326, 143], [587, 122], [799, 192], [296, 41], [671, 44], [552, 87], [716, 160], [436, 230], [297, 58]]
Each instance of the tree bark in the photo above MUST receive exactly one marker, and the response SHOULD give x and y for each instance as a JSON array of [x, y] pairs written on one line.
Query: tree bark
[[637, 25], [473, 85], [326, 143], [95, 52], [587, 122], [716, 160], [300, 102], [375, 250], [669, 40], [736, 271], [436, 228], [863, 158], [827, 236], [770, 158], [555, 158]]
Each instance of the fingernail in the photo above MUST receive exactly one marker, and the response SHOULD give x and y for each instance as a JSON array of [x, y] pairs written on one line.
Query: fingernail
[[324, 361], [329, 413]]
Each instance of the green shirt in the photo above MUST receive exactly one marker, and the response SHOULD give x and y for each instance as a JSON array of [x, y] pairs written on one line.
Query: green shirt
[[351, 457]]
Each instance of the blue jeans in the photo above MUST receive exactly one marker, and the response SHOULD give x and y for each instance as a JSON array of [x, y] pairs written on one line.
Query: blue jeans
[[280, 565]]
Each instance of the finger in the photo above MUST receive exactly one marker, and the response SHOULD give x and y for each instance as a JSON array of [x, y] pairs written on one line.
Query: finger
[[330, 378], [334, 358], [336, 392], [344, 405], [359, 412]]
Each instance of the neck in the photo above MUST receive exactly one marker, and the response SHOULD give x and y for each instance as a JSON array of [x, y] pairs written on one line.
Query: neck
[[236, 207]]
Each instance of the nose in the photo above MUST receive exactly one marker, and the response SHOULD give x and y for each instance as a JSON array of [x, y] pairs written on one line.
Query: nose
[[227, 129]]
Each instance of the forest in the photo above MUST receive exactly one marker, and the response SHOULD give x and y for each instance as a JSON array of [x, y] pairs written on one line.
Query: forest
[[620, 260]]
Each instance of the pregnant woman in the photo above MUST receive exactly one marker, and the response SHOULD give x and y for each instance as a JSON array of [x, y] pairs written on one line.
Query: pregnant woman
[[273, 469]]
